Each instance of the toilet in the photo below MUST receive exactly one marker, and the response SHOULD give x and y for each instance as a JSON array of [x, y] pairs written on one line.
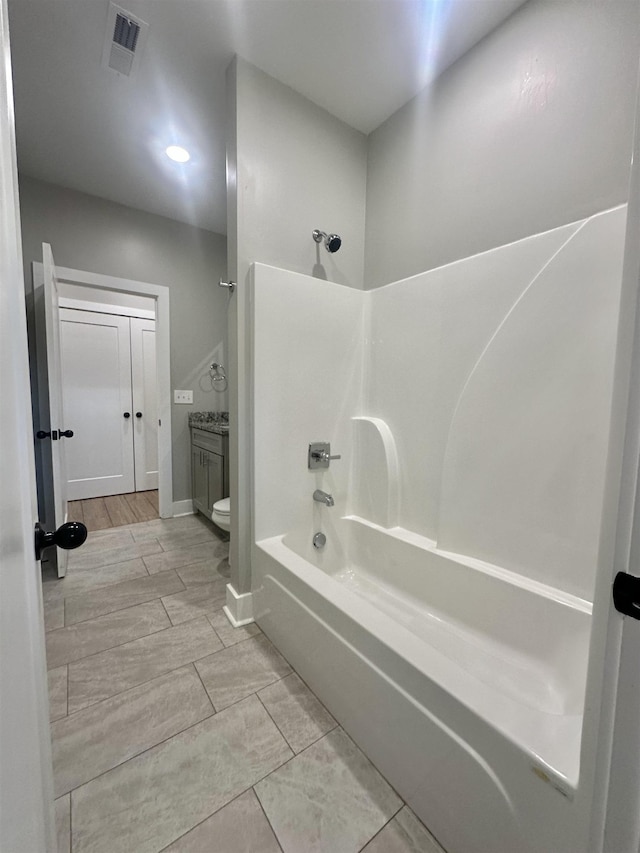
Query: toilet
[[221, 514]]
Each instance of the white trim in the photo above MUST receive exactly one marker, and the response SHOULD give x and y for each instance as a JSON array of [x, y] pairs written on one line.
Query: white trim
[[183, 508], [161, 295], [105, 308], [239, 608]]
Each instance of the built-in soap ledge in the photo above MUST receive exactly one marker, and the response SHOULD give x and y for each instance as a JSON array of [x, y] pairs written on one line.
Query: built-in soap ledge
[[375, 478]]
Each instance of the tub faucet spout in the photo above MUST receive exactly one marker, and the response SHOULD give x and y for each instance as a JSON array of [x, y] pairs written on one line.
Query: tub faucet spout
[[323, 498]]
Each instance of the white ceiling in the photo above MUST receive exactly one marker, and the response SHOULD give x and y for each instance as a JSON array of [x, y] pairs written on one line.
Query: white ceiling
[[82, 126]]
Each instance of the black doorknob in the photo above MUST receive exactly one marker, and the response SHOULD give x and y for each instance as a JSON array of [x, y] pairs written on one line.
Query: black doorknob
[[138, 414], [127, 414], [66, 433], [53, 435], [68, 536]]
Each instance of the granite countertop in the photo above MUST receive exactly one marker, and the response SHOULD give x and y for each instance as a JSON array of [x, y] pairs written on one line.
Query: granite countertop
[[217, 422]]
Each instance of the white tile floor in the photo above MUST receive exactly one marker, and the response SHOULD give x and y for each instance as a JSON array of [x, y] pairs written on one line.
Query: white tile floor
[[173, 731]]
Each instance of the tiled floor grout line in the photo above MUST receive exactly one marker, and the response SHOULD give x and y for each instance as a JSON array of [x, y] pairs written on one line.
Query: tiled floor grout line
[[120, 692], [142, 752], [376, 834], [111, 612], [164, 607], [96, 588], [171, 625], [266, 816], [218, 635], [206, 692], [74, 569], [70, 826], [270, 716], [324, 734], [255, 692], [204, 820], [111, 648], [186, 566]]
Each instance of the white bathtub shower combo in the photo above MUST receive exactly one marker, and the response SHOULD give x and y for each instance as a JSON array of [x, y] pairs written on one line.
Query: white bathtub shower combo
[[446, 621]]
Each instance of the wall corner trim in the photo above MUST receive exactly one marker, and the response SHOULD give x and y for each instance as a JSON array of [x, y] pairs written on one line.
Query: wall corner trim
[[183, 508], [239, 608]]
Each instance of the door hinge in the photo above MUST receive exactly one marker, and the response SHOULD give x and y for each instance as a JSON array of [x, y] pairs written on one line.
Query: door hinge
[[626, 594], [159, 422]]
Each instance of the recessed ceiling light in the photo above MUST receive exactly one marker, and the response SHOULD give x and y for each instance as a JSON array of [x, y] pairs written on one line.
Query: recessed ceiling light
[[177, 153]]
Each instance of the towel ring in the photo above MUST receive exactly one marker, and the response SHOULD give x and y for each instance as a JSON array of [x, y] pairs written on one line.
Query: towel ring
[[217, 374]]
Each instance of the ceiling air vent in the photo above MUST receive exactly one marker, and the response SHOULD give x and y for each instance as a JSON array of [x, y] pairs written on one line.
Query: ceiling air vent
[[126, 32], [124, 41]]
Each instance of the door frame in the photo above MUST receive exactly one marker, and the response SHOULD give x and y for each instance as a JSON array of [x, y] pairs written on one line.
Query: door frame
[[161, 294]]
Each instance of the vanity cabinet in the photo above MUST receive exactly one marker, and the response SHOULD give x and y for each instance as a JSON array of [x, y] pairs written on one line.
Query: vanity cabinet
[[209, 469]]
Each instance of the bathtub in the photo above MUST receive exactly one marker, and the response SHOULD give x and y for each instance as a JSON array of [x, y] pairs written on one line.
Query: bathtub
[[464, 683]]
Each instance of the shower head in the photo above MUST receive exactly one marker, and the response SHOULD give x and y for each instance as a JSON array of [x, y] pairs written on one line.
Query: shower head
[[332, 242]]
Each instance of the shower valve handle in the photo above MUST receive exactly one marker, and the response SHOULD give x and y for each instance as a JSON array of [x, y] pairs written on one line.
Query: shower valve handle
[[324, 456], [320, 455]]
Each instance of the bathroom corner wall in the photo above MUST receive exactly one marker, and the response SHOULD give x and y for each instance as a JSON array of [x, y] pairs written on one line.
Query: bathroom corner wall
[[529, 130], [291, 167]]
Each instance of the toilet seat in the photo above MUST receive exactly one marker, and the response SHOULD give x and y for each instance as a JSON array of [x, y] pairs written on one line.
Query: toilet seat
[[221, 514], [222, 507]]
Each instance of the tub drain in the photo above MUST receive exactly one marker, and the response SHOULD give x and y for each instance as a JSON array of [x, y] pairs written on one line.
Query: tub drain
[[319, 540]]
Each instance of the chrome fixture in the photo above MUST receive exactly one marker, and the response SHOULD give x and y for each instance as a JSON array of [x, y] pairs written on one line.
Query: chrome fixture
[[319, 540], [323, 498], [332, 242], [230, 284], [217, 372], [320, 455]]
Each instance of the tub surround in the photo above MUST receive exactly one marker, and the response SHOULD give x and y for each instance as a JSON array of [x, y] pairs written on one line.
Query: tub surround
[[470, 405], [217, 422]]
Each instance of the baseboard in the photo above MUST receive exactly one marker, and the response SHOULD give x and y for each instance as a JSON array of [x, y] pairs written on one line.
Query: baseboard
[[183, 508], [239, 608]]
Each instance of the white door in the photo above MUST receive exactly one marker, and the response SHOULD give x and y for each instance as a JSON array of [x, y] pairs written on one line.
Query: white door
[[26, 779], [616, 817], [96, 375], [50, 397], [145, 406]]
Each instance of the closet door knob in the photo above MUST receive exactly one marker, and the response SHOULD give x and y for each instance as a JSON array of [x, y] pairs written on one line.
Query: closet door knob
[[138, 414], [127, 414], [66, 433]]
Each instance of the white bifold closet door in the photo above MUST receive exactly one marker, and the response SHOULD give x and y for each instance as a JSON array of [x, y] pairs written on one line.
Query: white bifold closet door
[[145, 406], [108, 377]]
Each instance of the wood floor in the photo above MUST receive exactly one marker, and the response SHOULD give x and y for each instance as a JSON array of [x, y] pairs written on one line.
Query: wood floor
[[115, 510]]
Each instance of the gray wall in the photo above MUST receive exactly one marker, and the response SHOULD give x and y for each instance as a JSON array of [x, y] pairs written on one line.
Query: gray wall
[[530, 130], [93, 235], [292, 167], [299, 168]]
